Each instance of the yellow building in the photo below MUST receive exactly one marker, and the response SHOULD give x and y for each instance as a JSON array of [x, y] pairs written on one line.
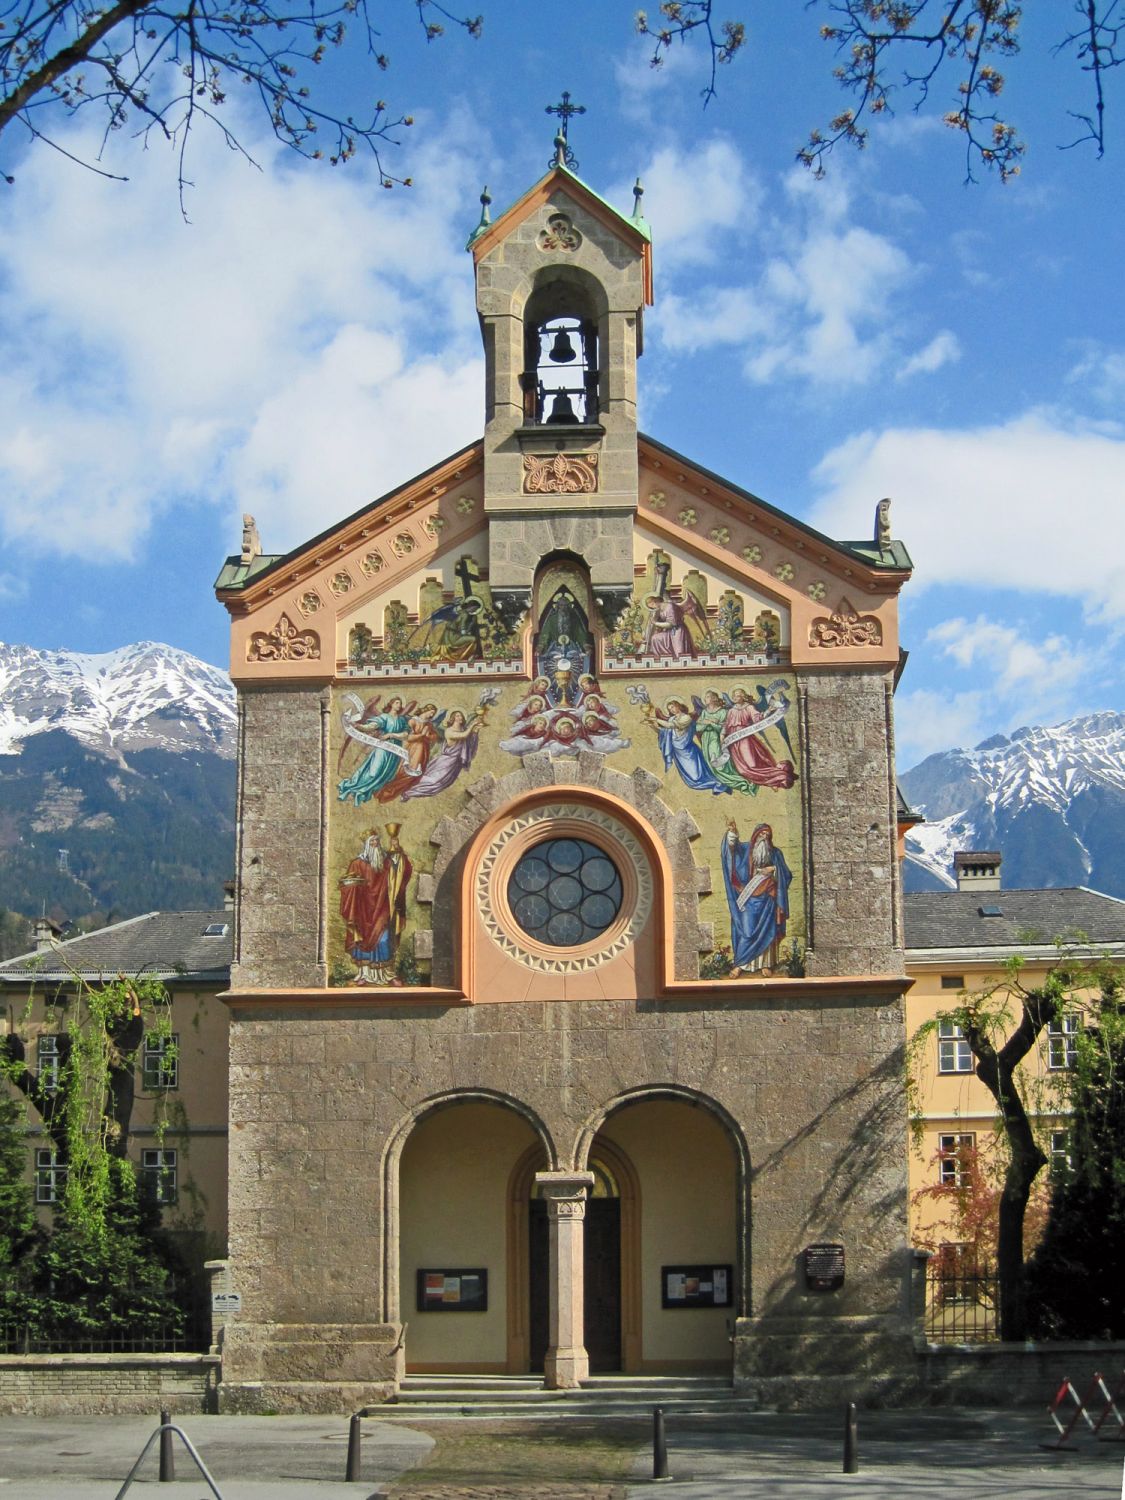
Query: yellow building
[[958, 943], [183, 1080]]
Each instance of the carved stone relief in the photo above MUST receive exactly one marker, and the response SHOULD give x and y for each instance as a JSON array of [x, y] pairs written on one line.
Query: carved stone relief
[[557, 474], [283, 643], [844, 627]]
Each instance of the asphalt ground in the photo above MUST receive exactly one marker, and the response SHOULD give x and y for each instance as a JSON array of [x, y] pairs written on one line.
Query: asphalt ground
[[937, 1454]]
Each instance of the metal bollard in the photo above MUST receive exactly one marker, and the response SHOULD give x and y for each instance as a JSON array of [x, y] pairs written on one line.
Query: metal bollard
[[851, 1440], [659, 1446], [353, 1449], [167, 1461]]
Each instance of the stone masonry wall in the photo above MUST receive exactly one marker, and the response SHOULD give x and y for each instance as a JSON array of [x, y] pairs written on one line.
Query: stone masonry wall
[[850, 823], [316, 1097], [281, 831], [44, 1385]]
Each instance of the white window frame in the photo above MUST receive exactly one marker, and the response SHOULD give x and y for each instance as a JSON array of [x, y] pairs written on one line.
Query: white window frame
[[159, 1174], [47, 1061], [160, 1062], [954, 1053], [50, 1175], [951, 1161], [1062, 1048], [1059, 1158]]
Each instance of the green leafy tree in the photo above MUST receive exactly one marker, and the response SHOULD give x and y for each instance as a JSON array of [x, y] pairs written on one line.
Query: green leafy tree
[[20, 1235], [105, 1268], [1077, 1272]]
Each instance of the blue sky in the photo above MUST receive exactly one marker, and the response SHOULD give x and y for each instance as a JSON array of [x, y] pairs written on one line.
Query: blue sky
[[308, 340]]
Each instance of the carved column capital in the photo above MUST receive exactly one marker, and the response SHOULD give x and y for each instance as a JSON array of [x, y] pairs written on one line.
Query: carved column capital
[[565, 1192]]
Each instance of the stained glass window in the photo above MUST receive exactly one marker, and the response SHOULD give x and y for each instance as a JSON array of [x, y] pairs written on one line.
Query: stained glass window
[[565, 892]]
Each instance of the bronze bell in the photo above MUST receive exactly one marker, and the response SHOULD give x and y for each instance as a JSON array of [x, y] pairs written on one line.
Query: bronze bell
[[561, 409], [562, 350]]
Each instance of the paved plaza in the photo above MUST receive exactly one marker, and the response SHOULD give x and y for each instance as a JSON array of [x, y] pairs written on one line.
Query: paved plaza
[[943, 1454]]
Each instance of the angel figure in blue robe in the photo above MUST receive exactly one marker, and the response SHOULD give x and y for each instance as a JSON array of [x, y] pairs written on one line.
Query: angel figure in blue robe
[[757, 880], [675, 726], [384, 733]]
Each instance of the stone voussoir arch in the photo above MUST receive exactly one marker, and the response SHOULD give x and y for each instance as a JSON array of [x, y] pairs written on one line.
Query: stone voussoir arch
[[678, 1094], [539, 779], [392, 1161]]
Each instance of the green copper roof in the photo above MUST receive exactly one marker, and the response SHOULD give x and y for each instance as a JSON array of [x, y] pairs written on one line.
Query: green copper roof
[[235, 574], [640, 225]]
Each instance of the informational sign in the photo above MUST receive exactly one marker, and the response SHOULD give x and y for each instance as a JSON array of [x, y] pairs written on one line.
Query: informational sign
[[824, 1267], [696, 1286], [459, 1290], [226, 1304]]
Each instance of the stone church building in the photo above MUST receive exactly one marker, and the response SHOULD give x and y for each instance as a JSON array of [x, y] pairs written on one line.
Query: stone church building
[[566, 1005]]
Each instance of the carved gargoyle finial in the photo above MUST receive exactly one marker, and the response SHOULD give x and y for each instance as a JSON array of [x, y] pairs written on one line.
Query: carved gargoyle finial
[[882, 536], [251, 542]]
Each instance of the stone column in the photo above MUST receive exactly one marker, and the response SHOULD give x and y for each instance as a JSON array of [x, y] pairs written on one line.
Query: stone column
[[567, 1363]]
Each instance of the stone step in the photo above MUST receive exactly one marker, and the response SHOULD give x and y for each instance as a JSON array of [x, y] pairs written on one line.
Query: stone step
[[523, 1397]]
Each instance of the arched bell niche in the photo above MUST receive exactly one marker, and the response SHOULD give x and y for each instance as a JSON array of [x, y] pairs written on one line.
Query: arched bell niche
[[563, 640], [561, 370]]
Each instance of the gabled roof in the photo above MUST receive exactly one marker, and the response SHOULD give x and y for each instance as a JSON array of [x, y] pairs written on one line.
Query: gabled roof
[[634, 232], [1034, 918], [236, 578], [893, 558], [169, 945]]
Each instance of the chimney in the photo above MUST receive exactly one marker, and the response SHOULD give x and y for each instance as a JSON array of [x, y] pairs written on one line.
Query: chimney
[[46, 933], [977, 869], [228, 895]]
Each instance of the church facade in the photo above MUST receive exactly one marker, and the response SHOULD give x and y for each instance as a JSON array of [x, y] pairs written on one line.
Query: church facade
[[566, 1005]]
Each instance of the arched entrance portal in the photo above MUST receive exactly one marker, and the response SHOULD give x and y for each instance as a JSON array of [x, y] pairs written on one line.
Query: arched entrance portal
[[454, 1178], [681, 1255]]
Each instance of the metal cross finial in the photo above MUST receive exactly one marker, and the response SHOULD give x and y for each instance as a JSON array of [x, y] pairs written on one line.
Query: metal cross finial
[[564, 156]]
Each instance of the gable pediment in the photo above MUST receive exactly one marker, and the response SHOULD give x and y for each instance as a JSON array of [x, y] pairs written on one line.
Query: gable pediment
[[291, 618]]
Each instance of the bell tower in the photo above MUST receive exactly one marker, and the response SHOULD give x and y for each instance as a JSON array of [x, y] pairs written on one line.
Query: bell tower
[[562, 279]]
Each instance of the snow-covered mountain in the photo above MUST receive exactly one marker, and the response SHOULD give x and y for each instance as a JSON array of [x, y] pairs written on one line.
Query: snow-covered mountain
[[116, 781], [1052, 800], [141, 697]]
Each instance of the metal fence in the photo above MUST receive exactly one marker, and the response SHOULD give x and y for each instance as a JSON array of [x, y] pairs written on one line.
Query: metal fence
[[962, 1303], [185, 1330]]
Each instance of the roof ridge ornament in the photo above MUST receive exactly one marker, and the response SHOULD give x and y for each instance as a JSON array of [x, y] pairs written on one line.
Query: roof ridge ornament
[[564, 156]]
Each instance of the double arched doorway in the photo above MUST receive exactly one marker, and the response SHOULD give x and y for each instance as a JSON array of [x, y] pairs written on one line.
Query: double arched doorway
[[660, 1193]]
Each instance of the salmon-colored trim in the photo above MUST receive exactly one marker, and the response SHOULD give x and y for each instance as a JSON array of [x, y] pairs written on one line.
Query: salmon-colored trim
[[662, 909], [712, 491], [543, 190], [379, 999], [774, 988], [359, 528]]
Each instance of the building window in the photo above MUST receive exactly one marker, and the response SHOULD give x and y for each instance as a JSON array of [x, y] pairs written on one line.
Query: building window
[[953, 981], [1062, 1045], [953, 1152], [1060, 1155], [158, 1175], [565, 892], [47, 1060], [160, 1068], [50, 1175], [954, 1053]]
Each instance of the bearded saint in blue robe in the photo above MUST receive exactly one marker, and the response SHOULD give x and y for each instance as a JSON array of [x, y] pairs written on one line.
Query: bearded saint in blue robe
[[757, 879]]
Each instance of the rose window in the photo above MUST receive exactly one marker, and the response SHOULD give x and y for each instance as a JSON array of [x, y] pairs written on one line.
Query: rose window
[[565, 892]]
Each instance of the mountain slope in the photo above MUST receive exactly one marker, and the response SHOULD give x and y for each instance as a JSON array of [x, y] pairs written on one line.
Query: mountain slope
[[117, 781], [141, 697], [1052, 800]]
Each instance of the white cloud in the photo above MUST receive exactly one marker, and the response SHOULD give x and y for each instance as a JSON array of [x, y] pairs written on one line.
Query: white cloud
[[691, 197], [820, 306], [13, 588], [942, 350], [1102, 372], [926, 721], [144, 359], [1028, 504]]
